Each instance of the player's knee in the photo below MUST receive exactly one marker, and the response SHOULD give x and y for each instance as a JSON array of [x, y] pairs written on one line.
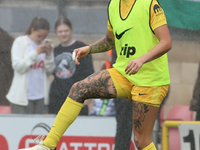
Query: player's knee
[[78, 93], [141, 141], [73, 88]]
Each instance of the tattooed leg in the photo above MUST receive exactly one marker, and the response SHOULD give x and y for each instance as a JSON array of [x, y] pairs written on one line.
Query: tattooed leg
[[139, 110], [144, 117], [97, 85]]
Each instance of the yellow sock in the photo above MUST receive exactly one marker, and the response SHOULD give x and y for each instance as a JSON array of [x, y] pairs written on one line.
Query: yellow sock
[[65, 117], [150, 147]]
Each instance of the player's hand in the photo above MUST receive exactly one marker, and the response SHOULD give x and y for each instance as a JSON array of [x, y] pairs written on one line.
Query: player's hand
[[80, 53], [134, 66]]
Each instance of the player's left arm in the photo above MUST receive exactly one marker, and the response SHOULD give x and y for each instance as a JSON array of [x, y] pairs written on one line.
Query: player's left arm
[[158, 24], [164, 45], [161, 48], [160, 28]]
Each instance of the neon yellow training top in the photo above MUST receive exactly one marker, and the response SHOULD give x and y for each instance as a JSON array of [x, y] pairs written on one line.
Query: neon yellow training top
[[133, 38]]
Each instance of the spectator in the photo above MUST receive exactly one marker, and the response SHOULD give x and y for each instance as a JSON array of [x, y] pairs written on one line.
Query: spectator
[[5, 64], [67, 72], [103, 107], [124, 128], [32, 61], [195, 102]]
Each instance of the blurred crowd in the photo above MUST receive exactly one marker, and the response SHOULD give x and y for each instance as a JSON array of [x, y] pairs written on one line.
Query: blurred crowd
[[39, 75]]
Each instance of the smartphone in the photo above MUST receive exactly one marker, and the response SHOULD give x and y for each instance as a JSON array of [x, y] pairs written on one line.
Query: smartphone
[[48, 41], [74, 56]]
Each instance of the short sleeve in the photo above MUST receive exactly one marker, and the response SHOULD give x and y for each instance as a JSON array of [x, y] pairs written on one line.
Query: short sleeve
[[157, 15]]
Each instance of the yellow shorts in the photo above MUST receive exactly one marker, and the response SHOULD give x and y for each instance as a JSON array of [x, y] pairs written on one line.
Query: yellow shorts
[[152, 95]]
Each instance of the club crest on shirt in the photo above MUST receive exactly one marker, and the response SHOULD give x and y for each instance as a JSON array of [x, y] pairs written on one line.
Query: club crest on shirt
[[65, 67]]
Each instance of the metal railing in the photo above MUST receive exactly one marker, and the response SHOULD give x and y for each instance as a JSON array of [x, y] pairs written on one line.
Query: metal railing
[[172, 124]]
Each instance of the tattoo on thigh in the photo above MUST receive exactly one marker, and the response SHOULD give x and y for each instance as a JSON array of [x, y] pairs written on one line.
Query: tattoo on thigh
[[94, 87], [139, 110]]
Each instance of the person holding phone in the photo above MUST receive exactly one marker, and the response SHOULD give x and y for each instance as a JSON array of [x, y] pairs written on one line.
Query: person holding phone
[[32, 61]]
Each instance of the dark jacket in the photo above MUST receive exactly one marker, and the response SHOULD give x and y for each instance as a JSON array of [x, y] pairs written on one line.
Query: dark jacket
[[5, 65]]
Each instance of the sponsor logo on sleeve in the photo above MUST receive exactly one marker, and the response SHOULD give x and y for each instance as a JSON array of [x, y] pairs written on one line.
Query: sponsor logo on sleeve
[[157, 10]]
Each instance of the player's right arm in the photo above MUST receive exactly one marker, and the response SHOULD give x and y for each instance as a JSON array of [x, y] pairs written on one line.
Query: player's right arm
[[104, 44]]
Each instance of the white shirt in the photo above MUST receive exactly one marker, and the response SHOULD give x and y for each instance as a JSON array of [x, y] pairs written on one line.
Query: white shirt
[[35, 76]]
